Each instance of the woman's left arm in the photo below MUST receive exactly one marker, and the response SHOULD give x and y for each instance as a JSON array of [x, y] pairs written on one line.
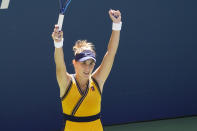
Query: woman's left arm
[[102, 72]]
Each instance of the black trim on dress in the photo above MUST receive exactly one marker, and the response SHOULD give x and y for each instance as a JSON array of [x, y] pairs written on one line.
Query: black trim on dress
[[80, 91], [82, 119], [67, 91], [80, 101], [97, 85]]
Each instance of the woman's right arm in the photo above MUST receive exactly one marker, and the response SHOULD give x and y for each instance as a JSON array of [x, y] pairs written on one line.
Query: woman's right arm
[[62, 75]]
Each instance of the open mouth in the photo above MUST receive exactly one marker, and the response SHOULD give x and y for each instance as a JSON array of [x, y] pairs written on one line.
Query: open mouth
[[86, 73]]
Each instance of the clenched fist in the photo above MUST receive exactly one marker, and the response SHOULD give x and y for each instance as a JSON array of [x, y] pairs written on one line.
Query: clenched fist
[[115, 16]]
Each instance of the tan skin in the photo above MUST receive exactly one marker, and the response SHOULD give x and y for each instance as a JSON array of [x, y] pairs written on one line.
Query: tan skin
[[84, 70]]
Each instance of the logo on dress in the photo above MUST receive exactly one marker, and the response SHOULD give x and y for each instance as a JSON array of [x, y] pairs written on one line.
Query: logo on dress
[[92, 88]]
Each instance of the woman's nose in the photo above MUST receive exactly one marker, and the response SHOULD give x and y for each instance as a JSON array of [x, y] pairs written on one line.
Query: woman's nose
[[87, 67]]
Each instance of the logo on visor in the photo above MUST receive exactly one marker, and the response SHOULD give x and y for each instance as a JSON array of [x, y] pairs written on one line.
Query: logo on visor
[[86, 54]]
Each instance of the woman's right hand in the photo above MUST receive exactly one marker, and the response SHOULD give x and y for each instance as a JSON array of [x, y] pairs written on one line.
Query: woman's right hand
[[57, 35]]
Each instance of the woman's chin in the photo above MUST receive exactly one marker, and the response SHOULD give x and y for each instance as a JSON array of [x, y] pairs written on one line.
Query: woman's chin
[[86, 75]]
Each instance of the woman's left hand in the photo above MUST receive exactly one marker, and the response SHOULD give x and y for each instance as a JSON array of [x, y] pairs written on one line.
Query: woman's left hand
[[115, 16]]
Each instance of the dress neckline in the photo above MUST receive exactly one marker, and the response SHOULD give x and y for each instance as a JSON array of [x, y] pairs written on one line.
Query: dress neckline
[[82, 92]]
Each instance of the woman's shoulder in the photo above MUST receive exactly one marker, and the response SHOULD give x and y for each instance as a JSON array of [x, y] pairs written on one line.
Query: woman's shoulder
[[65, 84]]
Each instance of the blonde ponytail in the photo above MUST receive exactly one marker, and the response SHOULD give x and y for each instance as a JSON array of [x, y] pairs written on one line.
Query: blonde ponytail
[[81, 45]]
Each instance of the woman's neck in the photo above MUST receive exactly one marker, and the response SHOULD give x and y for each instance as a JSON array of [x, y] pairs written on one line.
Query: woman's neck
[[82, 82]]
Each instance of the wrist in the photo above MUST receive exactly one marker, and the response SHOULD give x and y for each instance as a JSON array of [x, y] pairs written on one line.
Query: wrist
[[117, 26], [59, 44]]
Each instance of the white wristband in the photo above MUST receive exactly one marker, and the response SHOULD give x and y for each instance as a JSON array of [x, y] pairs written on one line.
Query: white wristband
[[117, 26], [59, 44]]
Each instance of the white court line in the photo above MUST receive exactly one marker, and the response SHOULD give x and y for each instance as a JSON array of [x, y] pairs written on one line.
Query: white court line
[[4, 4]]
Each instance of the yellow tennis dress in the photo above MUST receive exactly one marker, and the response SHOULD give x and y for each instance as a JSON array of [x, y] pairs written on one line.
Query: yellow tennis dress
[[81, 110]]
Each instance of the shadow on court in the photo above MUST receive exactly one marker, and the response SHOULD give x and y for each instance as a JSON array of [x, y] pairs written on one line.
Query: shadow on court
[[178, 124]]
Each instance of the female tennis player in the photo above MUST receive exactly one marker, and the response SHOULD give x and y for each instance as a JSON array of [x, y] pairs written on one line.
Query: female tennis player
[[81, 92]]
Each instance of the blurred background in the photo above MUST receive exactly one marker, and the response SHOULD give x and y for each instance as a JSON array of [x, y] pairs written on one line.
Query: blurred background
[[154, 73]]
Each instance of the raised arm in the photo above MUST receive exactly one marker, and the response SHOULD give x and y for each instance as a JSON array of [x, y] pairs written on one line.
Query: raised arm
[[61, 72], [102, 72]]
